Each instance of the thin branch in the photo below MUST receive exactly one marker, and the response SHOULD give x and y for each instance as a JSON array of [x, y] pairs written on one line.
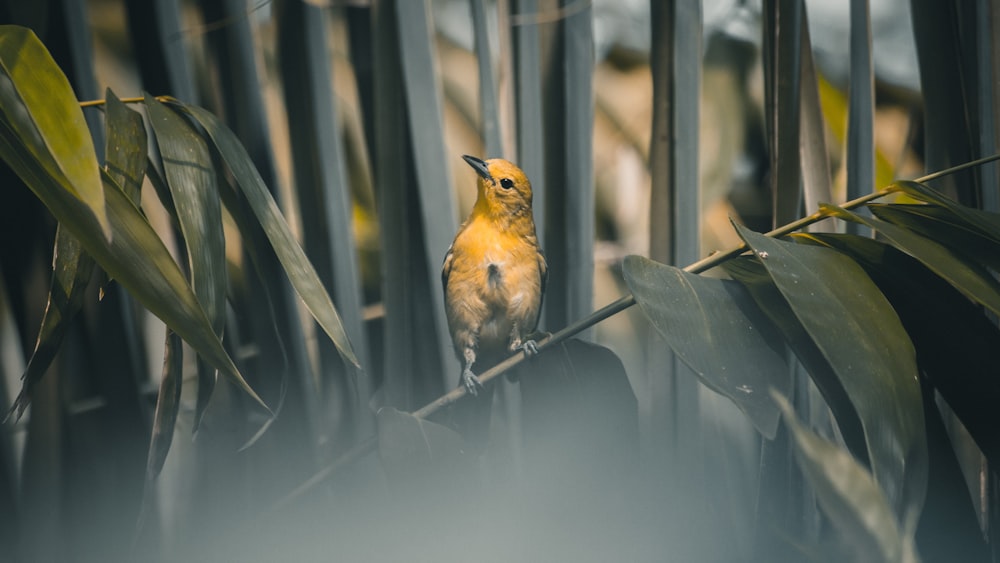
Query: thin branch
[[958, 168], [97, 103], [369, 444]]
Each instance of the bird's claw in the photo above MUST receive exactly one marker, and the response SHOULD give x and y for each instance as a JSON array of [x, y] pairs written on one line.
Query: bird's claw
[[529, 347], [471, 382]]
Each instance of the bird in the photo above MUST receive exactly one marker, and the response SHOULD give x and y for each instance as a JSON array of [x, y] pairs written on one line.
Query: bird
[[494, 272]]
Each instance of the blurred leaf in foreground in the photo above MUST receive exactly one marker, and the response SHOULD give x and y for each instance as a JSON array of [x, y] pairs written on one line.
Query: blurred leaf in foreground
[[420, 456], [850, 497]]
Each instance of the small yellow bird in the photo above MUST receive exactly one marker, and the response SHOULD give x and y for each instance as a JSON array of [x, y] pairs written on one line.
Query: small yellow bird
[[494, 272]]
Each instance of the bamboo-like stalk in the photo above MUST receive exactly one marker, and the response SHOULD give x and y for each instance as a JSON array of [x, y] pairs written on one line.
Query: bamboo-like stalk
[[369, 444]]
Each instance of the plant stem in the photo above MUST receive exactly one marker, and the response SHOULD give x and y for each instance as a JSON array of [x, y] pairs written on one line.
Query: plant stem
[[97, 103]]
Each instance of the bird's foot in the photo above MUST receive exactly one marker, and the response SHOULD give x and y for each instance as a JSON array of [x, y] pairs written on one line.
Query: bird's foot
[[471, 382], [529, 347]]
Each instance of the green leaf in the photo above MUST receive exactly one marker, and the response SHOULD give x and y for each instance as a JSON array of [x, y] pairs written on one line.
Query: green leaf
[[72, 268], [717, 329], [861, 337], [849, 495], [419, 455], [125, 152], [300, 271], [125, 146], [71, 271], [576, 397], [137, 258], [943, 226], [190, 175], [38, 107], [986, 222], [45, 141], [191, 178], [753, 275], [168, 403], [969, 278], [954, 340]]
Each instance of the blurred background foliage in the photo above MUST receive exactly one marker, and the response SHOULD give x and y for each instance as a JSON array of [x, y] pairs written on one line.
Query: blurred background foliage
[[645, 127]]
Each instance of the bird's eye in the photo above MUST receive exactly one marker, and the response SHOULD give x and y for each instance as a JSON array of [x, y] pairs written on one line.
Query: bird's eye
[[506, 183]]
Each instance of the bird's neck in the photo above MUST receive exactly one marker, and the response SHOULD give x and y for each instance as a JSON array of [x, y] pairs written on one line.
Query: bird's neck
[[516, 220]]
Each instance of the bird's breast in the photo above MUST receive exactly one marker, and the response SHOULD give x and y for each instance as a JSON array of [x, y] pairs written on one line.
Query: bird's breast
[[494, 288], [502, 268]]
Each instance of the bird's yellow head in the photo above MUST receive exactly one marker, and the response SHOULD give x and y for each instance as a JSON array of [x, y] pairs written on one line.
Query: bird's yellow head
[[503, 188]]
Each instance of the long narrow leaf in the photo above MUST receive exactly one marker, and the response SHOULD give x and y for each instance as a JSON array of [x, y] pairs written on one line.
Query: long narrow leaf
[[437, 208], [191, 178], [161, 58], [782, 45], [568, 154], [861, 113], [849, 496], [134, 255], [812, 150], [168, 403], [577, 199], [860, 335], [39, 108], [942, 226], [71, 270], [985, 221], [125, 150], [528, 83], [674, 205], [753, 275], [954, 341], [488, 110], [320, 172], [300, 271], [715, 327], [142, 264], [407, 372], [972, 280], [187, 165], [946, 112], [986, 99]]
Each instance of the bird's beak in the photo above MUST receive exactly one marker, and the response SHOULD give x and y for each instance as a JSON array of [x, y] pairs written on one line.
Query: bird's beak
[[479, 166]]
